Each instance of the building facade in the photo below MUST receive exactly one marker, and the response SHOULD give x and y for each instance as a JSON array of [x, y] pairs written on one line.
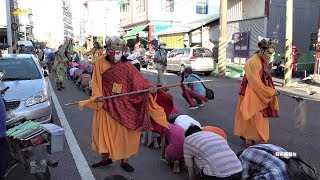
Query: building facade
[[101, 18], [146, 18], [269, 20]]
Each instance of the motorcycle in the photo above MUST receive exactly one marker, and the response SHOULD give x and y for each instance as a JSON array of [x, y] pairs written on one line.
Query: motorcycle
[[29, 144], [278, 68]]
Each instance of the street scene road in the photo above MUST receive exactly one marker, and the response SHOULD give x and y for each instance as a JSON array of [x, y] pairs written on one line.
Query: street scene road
[[261, 59], [297, 129]]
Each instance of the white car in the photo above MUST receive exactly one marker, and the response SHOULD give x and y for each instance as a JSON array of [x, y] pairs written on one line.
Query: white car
[[28, 94], [198, 58]]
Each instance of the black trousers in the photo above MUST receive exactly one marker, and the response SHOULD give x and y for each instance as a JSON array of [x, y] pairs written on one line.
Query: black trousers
[[5, 156]]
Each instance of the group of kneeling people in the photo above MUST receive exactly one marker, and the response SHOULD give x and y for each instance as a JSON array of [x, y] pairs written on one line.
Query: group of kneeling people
[[185, 143], [81, 74]]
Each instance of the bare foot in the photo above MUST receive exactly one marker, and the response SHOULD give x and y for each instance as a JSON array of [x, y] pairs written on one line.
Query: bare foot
[[176, 168]]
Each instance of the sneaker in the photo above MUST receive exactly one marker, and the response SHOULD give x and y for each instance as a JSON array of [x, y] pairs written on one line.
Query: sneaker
[[127, 167], [102, 163], [193, 107], [200, 105]]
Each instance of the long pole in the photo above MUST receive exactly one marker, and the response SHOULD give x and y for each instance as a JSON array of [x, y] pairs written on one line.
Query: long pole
[[222, 53], [288, 54], [9, 31], [144, 90]]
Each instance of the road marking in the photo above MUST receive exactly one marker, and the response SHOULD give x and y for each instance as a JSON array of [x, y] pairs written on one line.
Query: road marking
[[81, 163]]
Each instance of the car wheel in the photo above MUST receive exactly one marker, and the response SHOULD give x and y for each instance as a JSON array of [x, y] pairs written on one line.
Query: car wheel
[[207, 73], [144, 66]]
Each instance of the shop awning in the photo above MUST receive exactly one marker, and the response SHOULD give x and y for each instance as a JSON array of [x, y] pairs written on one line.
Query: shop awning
[[132, 34]]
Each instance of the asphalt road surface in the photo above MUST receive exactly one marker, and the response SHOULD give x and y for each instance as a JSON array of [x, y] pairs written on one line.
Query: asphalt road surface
[[297, 130]]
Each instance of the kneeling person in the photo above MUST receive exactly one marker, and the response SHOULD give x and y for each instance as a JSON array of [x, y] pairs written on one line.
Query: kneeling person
[[212, 154]]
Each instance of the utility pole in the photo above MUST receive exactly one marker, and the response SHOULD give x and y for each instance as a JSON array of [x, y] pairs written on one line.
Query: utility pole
[[222, 53], [288, 53], [9, 30]]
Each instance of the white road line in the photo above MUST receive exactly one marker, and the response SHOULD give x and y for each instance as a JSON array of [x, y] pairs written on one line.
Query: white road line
[[81, 163]]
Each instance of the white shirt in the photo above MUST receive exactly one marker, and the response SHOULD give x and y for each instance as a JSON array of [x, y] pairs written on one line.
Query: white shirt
[[71, 71], [185, 121]]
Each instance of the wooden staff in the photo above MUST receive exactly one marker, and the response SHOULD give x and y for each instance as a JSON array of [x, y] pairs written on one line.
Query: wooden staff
[[142, 91]]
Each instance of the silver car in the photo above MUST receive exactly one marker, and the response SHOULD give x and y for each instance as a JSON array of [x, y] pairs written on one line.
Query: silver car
[[198, 58], [28, 94]]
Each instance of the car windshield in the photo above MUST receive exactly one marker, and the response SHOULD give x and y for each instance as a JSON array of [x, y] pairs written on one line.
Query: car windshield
[[202, 52], [19, 69]]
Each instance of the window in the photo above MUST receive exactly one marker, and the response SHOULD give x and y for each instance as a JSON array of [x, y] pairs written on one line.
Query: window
[[140, 5], [202, 52], [19, 69], [124, 7], [202, 7], [313, 40], [167, 5]]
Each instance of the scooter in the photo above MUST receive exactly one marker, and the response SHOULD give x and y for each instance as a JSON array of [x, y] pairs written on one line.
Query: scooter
[[278, 68], [30, 142]]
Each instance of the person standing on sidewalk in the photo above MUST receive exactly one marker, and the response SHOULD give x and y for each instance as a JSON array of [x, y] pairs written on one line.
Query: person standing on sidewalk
[[160, 58], [257, 99], [295, 56]]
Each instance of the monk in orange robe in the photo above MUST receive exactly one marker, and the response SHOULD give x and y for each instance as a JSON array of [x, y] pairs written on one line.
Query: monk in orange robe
[[257, 96], [117, 122]]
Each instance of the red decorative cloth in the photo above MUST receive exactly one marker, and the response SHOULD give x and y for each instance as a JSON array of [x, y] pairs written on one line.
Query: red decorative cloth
[[269, 111], [186, 92], [165, 100], [131, 110]]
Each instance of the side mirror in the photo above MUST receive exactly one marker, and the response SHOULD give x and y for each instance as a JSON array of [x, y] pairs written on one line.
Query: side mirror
[[45, 73]]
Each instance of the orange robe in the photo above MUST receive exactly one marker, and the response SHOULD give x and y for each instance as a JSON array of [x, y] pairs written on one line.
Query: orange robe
[[96, 53], [250, 122], [108, 135]]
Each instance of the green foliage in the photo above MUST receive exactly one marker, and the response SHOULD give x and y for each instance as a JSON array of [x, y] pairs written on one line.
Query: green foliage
[[80, 48], [100, 40]]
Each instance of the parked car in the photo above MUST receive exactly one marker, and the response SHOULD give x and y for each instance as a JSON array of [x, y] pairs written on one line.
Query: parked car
[[29, 47], [28, 94], [198, 58]]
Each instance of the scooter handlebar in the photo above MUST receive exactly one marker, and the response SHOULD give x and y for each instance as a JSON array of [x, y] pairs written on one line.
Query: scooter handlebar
[[4, 90]]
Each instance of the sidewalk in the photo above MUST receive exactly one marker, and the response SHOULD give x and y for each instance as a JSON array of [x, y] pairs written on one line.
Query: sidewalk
[[308, 87]]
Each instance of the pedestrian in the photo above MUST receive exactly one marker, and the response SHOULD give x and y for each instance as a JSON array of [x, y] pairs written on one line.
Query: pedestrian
[[59, 68], [184, 121], [195, 90], [295, 57], [212, 154], [76, 56], [117, 122], [160, 58], [4, 145], [50, 59], [22, 49], [258, 163], [257, 99], [96, 52], [172, 146]]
